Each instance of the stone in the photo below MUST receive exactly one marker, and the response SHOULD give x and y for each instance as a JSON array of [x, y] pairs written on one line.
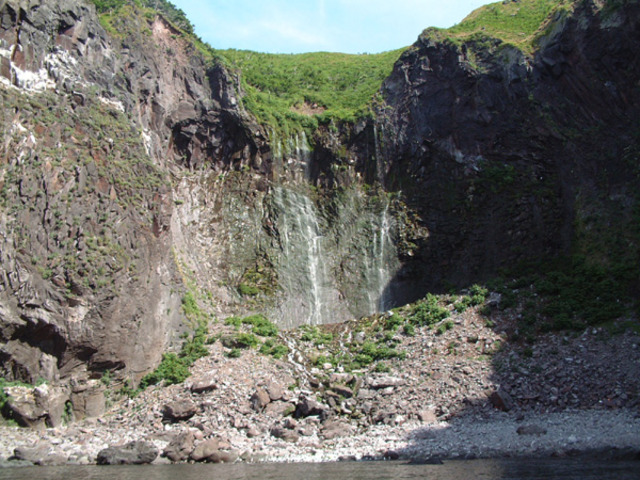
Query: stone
[[205, 449], [285, 434], [384, 381], [180, 447], [501, 400], [531, 430], [260, 399], [179, 410], [428, 416], [133, 453], [341, 390], [204, 384], [275, 391], [223, 457], [308, 406]]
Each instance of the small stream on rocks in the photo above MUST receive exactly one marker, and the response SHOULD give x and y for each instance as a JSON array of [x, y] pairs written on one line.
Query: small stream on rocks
[[508, 469]]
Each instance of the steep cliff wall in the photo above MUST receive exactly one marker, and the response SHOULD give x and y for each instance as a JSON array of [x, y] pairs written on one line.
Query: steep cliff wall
[[504, 155], [131, 173]]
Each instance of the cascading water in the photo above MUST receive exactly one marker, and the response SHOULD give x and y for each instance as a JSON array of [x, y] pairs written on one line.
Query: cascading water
[[380, 261], [301, 269], [329, 268]]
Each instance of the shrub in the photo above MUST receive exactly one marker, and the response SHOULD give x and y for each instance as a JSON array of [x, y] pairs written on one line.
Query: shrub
[[276, 350], [260, 325], [461, 305], [234, 321], [428, 312], [248, 290], [246, 340], [393, 322], [234, 353], [172, 370]]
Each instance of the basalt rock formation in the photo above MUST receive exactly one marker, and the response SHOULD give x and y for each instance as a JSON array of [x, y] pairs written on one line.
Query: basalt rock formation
[[132, 174]]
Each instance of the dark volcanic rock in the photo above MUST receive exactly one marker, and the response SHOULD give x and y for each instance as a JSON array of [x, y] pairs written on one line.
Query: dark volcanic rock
[[179, 410], [133, 453]]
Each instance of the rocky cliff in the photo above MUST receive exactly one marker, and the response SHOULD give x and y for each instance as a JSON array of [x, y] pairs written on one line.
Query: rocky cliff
[[133, 178]]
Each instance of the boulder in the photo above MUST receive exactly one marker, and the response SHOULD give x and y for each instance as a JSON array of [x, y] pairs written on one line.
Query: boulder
[[133, 453], [336, 429], [384, 381], [180, 447], [204, 450], [275, 391], [501, 400], [285, 434], [278, 409], [223, 457], [428, 416], [260, 399], [341, 390], [308, 406], [343, 378], [39, 407], [179, 410], [87, 399], [204, 384], [41, 454]]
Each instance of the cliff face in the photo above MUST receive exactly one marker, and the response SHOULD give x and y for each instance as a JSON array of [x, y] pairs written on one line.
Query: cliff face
[[131, 174], [510, 158]]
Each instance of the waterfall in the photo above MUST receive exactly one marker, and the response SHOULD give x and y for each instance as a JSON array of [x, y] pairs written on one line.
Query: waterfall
[[381, 262], [302, 270]]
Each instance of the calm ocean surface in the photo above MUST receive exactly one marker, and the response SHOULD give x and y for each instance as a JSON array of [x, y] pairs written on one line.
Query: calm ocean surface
[[453, 470]]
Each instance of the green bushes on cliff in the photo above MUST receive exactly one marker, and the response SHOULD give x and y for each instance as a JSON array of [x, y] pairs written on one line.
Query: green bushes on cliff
[[174, 368], [298, 91], [427, 312], [172, 13]]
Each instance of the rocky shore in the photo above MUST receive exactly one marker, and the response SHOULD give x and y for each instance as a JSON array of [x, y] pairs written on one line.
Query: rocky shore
[[464, 392]]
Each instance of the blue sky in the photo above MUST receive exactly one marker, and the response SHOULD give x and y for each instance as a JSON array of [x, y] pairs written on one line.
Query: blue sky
[[295, 26]]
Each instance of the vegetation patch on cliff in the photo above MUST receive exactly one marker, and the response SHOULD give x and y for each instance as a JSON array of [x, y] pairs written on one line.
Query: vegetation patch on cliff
[[515, 22], [281, 89]]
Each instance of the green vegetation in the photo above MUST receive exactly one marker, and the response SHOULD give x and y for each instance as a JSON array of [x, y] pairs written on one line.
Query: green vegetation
[[175, 368], [427, 312], [168, 9], [517, 23], [312, 333], [290, 92], [567, 294], [260, 325], [273, 348]]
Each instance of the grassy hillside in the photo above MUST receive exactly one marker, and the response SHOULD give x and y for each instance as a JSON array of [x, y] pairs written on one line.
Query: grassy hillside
[[284, 90], [518, 22]]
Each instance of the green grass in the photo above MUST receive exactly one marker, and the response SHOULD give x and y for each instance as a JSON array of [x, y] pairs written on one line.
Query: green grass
[[518, 23], [290, 92]]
